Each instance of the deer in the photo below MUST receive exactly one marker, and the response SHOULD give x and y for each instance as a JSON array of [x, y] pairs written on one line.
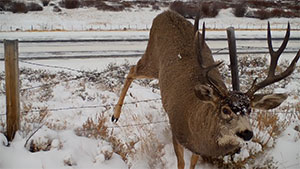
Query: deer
[[205, 117]]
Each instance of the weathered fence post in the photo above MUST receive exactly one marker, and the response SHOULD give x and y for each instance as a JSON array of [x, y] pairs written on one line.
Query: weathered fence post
[[12, 87], [233, 59]]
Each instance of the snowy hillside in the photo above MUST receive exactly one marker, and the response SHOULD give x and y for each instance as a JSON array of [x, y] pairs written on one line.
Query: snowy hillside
[[84, 19]]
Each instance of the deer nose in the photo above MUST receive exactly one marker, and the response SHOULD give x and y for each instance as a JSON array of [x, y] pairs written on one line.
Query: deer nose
[[245, 135]]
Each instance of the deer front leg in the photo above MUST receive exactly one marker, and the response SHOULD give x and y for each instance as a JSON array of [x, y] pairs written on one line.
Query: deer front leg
[[117, 110], [194, 160], [179, 151]]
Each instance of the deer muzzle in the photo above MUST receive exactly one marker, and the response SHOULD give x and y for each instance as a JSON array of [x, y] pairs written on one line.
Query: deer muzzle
[[246, 135]]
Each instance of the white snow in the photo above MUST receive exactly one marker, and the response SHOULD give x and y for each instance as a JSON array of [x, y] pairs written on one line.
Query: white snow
[[148, 127]]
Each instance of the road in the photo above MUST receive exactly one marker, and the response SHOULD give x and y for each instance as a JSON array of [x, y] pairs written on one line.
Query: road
[[72, 49]]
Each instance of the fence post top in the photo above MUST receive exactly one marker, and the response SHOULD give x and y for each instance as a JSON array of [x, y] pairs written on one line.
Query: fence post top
[[12, 41]]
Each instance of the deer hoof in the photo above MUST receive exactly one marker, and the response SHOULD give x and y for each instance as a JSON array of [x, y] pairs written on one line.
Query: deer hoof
[[113, 119]]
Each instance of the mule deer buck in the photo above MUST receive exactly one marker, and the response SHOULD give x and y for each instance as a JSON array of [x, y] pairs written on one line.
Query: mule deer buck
[[205, 117]]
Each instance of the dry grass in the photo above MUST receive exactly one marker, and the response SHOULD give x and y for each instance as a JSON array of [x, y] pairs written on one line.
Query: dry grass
[[239, 10], [96, 128], [267, 125]]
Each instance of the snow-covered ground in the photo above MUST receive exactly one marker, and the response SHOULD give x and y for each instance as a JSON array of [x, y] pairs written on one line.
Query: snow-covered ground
[[71, 108], [137, 18]]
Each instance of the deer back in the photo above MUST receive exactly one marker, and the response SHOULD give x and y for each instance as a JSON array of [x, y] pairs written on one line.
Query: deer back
[[170, 57]]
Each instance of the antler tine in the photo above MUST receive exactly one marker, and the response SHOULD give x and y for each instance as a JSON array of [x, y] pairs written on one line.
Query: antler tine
[[275, 55], [206, 69], [272, 78], [212, 83], [199, 44], [203, 34], [196, 24]]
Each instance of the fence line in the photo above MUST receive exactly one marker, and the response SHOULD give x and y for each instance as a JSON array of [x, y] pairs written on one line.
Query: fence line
[[111, 27], [93, 106], [56, 67], [79, 77]]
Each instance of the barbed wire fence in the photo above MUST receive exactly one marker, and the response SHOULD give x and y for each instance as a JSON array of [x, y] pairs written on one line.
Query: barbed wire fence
[[78, 107], [50, 84], [115, 27]]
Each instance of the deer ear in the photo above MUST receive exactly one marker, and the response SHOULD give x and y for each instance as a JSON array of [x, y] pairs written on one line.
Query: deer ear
[[205, 93], [266, 102]]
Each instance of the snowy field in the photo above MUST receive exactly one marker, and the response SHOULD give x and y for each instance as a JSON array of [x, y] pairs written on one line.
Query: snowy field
[[136, 19], [69, 103]]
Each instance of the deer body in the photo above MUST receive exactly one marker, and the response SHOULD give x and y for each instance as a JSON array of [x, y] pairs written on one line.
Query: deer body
[[178, 74], [203, 120], [170, 58]]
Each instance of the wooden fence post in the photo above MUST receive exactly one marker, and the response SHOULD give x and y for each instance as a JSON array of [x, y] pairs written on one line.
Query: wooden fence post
[[12, 87], [233, 59]]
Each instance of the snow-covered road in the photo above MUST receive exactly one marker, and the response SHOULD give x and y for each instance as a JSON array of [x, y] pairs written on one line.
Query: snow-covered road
[[62, 45]]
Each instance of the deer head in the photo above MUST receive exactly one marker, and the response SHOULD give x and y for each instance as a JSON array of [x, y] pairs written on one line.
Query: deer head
[[233, 107]]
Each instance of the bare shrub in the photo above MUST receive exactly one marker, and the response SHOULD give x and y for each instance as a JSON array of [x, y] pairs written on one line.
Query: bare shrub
[[210, 9], [153, 149], [187, 10], [295, 7], [277, 12], [45, 2], [261, 4], [262, 14], [70, 4], [19, 7], [4, 4], [100, 5], [155, 7], [178, 6], [34, 7], [215, 8], [126, 4], [205, 8], [88, 3], [56, 9], [240, 10], [96, 128]]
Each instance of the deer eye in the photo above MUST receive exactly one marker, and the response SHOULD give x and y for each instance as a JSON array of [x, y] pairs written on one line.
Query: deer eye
[[226, 111]]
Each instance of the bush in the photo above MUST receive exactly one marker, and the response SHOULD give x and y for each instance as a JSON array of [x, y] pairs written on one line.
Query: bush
[[261, 4], [126, 4], [45, 2], [277, 12], [4, 4], [178, 6], [210, 9], [184, 9], [214, 10], [70, 4], [240, 10], [103, 6], [262, 14], [205, 9], [56, 9], [88, 3], [19, 7], [34, 7]]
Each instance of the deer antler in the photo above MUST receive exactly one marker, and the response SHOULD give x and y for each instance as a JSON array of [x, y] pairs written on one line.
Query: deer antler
[[272, 78], [206, 69]]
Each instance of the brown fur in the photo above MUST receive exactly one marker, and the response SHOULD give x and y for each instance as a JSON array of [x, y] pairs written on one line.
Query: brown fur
[[197, 119], [171, 35]]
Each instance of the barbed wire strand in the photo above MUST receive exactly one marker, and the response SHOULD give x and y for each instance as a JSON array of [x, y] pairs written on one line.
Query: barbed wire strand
[[92, 106], [51, 66], [135, 125]]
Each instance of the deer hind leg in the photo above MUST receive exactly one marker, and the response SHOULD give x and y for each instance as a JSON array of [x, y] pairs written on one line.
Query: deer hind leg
[[133, 74], [194, 160], [117, 110], [179, 151]]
